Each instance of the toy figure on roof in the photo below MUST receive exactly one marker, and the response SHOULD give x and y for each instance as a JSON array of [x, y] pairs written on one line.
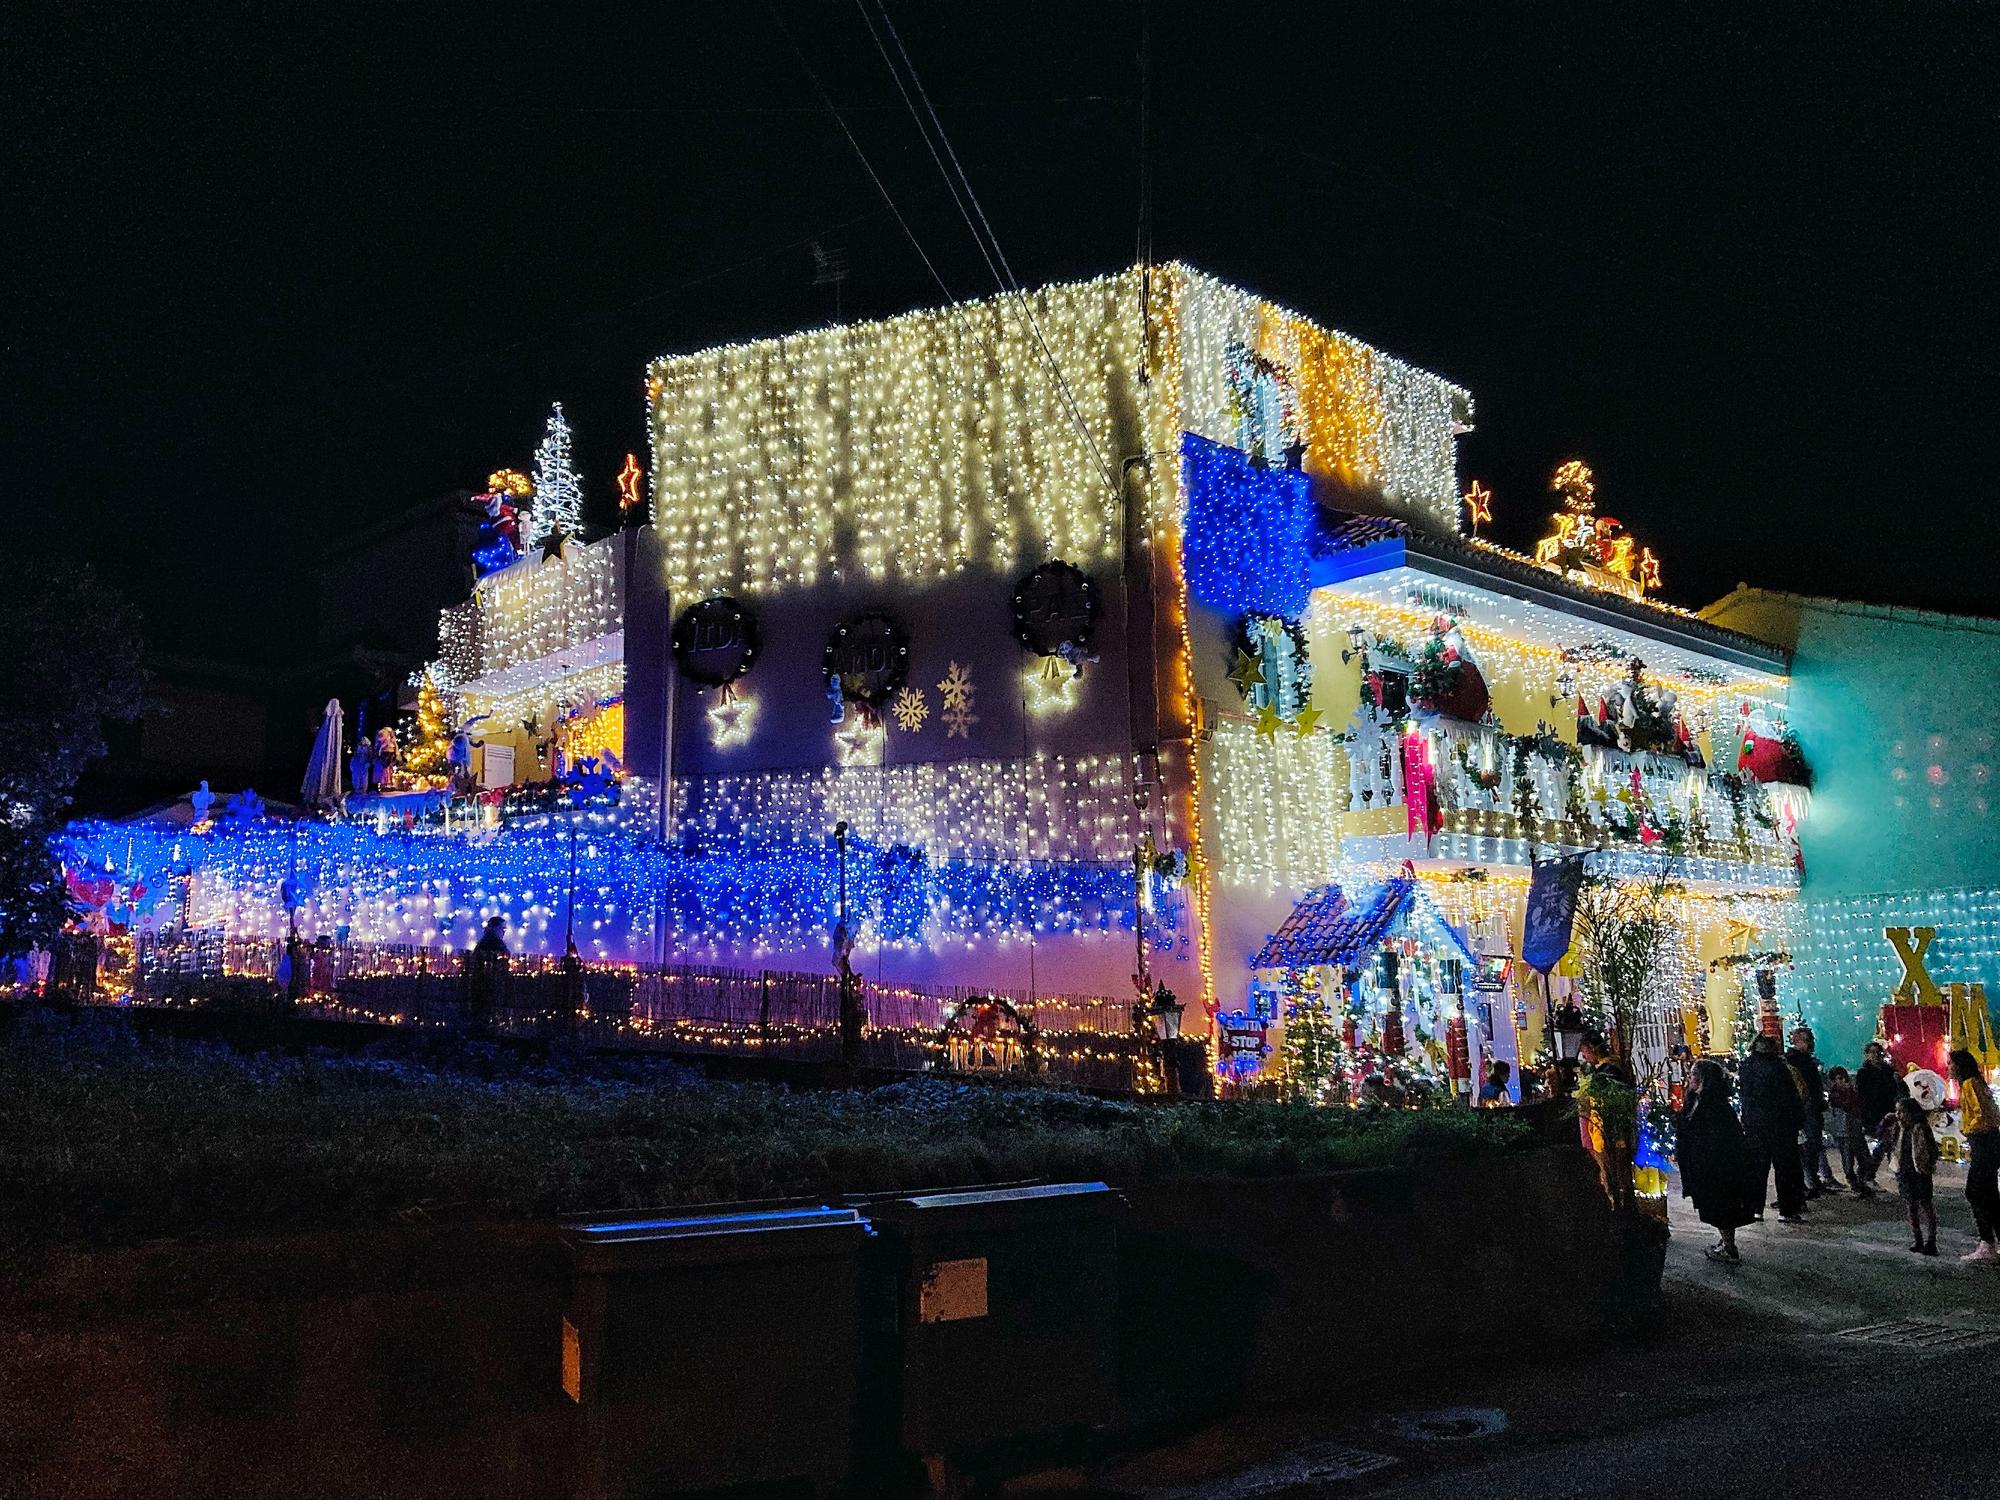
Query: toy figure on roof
[[1593, 548], [500, 534]]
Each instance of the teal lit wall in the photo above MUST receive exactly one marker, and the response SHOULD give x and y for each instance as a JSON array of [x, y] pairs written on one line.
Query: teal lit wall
[[1898, 712]]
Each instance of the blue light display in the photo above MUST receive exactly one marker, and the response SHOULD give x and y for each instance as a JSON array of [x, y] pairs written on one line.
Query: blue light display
[[1247, 531], [437, 888]]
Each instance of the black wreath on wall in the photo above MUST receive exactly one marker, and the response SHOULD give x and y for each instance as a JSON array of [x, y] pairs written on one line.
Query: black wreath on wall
[[716, 641], [1056, 605], [870, 655]]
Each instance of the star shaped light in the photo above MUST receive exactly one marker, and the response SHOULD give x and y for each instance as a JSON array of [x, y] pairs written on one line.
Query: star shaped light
[[729, 721], [1247, 672], [1479, 506], [858, 743], [628, 484], [1049, 695]]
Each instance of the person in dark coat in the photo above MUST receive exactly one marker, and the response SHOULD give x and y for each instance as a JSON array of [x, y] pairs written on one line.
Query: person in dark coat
[[485, 974], [1717, 1171], [1774, 1111], [1812, 1150], [1876, 1086]]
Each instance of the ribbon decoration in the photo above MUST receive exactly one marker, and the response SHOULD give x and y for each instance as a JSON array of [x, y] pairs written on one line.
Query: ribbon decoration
[[1419, 787]]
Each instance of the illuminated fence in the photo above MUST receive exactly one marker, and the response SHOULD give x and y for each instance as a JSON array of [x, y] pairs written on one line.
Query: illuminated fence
[[1081, 1039]]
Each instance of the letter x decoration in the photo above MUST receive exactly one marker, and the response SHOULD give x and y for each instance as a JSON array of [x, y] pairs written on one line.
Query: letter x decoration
[[1916, 986]]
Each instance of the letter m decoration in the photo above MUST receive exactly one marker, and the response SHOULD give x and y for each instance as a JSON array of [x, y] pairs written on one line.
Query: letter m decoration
[[1916, 987]]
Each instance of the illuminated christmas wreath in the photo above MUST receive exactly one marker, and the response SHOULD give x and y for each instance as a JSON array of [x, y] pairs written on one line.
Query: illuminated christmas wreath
[[867, 658], [1272, 668], [716, 641], [1055, 611]]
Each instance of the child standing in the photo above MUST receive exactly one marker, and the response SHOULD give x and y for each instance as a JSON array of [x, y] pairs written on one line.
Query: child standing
[[1916, 1154], [1843, 1123]]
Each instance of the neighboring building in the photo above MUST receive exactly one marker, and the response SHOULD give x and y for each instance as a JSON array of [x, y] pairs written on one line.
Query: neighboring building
[[378, 589], [1898, 714], [198, 719]]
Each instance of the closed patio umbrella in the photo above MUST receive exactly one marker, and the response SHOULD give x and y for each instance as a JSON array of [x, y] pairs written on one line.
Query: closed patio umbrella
[[322, 784]]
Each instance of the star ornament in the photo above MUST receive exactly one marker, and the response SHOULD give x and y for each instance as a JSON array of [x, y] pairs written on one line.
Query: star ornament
[[1307, 721], [1049, 695], [553, 545], [1479, 505], [628, 484], [1268, 722], [1247, 672], [859, 743], [730, 721]]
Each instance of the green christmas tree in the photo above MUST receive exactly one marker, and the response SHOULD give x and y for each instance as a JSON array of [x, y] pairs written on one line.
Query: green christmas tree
[[1310, 1054]]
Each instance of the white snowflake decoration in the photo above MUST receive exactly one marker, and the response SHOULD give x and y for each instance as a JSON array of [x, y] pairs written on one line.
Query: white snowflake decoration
[[911, 708], [955, 693]]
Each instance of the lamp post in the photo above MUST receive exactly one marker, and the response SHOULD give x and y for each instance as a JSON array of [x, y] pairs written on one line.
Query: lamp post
[[851, 1017], [1569, 1030]]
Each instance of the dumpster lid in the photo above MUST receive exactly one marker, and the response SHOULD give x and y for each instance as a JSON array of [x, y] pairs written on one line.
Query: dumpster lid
[[624, 1228], [1045, 1204], [993, 1197], [638, 1242]]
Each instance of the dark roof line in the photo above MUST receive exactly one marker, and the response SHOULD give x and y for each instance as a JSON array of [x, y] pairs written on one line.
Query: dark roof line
[[1353, 535]]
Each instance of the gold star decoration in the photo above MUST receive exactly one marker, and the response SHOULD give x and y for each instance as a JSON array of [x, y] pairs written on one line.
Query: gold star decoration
[[1047, 694], [1307, 721], [1247, 672], [553, 544], [1268, 721]]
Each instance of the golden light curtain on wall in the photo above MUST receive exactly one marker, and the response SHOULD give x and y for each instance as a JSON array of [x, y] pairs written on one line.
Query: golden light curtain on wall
[[1372, 422], [910, 448]]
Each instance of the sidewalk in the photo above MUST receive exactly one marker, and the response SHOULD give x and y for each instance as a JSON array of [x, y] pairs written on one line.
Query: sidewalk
[[1745, 1388]]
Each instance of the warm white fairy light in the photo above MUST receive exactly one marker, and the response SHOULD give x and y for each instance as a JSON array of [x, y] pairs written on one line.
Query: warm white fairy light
[[1042, 808], [925, 444], [1048, 692], [1277, 802], [909, 448], [538, 632], [1377, 423]]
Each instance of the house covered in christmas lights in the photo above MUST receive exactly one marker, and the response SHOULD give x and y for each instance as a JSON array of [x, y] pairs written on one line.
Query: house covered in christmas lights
[[1108, 623]]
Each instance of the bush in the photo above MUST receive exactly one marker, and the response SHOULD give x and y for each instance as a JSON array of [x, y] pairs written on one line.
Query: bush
[[109, 1137]]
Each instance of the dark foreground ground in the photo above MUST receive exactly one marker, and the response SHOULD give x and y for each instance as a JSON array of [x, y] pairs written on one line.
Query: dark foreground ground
[[1747, 1388]]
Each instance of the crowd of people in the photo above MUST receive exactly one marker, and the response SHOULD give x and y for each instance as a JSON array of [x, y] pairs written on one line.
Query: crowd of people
[[1790, 1106]]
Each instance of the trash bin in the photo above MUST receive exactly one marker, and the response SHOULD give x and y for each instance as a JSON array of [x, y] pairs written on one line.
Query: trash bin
[[1007, 1315], [713, 1348]]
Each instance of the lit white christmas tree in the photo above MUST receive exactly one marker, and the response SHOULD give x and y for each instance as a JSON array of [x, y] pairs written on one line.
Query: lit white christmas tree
[[558, 487]]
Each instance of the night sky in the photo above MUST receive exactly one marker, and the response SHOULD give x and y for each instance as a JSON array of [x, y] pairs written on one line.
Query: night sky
[[277, 271]]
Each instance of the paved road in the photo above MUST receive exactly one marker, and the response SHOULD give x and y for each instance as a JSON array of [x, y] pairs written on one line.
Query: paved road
[[1747, 1391]]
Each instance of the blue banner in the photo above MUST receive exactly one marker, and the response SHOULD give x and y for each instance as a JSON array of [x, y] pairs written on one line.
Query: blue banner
[[1551, 911]]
